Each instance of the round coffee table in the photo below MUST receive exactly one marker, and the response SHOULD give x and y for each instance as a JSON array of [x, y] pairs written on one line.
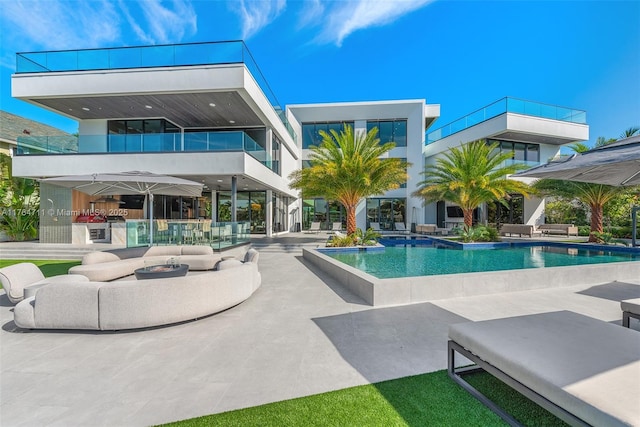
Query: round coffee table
[[161, 271]]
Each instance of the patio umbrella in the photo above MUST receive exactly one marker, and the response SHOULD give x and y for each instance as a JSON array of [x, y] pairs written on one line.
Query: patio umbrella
[[128, 183], [615, 164]]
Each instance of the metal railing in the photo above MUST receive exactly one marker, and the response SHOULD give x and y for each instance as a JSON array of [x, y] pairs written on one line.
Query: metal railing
[[508, 105]]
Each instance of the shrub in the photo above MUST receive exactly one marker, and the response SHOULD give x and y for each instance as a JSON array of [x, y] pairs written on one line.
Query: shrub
[[359, 238], [480, 233]]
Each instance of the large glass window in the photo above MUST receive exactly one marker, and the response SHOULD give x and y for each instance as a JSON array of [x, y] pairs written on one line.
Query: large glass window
[[386, 212], [250, 207], [275, 154], [311, 131], [521, 151], [390, 131], [141, 135], [513, 213], [318, 210]]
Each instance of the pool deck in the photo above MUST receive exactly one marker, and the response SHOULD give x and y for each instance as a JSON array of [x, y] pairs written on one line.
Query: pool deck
[[301, 333]]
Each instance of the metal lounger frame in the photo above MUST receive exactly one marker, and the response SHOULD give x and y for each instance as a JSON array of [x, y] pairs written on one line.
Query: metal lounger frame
[[626, 316], [456, 375]]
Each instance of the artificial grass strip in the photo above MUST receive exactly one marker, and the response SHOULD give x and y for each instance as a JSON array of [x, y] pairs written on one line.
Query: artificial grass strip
[[49, 267], [423, 400], [514, 403]]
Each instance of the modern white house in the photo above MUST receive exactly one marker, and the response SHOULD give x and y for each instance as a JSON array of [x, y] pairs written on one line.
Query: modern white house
[[205, 112]]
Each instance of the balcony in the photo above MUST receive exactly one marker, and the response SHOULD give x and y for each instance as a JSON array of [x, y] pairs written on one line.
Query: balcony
[[508, 105], [225, 141], [177, 55]]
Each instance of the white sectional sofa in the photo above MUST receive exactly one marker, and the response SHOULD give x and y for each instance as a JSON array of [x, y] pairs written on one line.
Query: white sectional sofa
[[110, 265], [130, 304]]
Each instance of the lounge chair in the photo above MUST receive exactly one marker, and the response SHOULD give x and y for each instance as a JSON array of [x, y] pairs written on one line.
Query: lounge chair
[[583, 370], [630, 308], [375, 226], [336, 227], [399, 226], [315, 227]]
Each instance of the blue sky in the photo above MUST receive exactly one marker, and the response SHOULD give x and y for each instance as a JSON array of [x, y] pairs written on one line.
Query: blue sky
[[462, 55]]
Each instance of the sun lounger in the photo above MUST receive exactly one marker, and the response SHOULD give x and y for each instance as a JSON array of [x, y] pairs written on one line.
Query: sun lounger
[[315, 228], [583, 370], [336, 227], [399, 226], [375, 226], [630, 308]]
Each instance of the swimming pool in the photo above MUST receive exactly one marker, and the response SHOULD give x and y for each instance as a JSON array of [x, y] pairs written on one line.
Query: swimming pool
[[409, 261], [412, 273]]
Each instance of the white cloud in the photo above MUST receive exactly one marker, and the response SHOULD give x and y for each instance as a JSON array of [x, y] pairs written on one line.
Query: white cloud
[[313, 9], [59, 24], [257, 14], [71, 24], [169, 24], [347, 17]]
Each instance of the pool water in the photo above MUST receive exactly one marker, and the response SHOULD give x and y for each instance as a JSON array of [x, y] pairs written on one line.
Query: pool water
[[409, 261]]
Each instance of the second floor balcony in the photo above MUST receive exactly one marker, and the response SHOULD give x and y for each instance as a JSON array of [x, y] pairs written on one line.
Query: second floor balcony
[[223, 141]]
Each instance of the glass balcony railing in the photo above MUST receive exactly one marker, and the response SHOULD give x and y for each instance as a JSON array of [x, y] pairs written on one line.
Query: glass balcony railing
[[508, 105], [146, 143], [218, 235], [176, 55]]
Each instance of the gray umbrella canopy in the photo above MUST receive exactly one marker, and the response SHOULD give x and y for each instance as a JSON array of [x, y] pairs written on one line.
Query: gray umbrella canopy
[[127, 183], [614, 164]]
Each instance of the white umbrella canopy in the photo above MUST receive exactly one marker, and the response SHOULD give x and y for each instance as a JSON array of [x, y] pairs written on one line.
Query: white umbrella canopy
[[127, 183], [615, 164]]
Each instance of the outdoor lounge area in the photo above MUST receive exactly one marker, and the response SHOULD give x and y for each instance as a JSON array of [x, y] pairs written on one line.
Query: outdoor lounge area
[[157, 286], [301, 333]]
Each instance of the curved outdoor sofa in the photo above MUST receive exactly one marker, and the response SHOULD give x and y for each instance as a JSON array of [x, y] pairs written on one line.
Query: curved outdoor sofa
[[130, 304], [103, 266]]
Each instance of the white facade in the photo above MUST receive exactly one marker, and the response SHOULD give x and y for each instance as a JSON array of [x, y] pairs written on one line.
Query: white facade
[[223, 129]]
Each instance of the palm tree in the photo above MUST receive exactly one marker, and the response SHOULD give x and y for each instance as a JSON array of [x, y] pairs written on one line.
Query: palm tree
[[593, 195], [633, 130], [348, 167], [469, 176]]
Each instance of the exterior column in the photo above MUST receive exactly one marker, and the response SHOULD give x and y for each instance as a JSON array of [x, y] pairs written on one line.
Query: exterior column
[[268, 214], [234, 218], [234, 197]]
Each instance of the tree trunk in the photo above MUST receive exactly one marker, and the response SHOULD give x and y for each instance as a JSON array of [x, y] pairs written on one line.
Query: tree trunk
[[596, 221], [468, 217], [351, 219]]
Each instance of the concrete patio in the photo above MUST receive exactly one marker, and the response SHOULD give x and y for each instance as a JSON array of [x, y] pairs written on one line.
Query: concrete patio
[[300, 334]]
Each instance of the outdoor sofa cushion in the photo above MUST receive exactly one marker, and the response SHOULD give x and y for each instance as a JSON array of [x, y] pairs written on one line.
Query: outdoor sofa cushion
[[108, 265], [588, 367], [18, 277]]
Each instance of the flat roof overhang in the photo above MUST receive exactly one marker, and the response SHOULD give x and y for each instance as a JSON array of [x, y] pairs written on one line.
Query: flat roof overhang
[[517, 128], [210, 96], [214, 170]]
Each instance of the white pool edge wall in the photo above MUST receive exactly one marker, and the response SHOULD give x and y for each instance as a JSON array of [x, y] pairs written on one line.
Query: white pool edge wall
[[408, 290]]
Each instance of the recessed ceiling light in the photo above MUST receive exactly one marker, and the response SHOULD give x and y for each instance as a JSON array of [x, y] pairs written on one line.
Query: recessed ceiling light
[[219, 180], [211, 104], [232, 121], [85, 108], [149, 107]]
